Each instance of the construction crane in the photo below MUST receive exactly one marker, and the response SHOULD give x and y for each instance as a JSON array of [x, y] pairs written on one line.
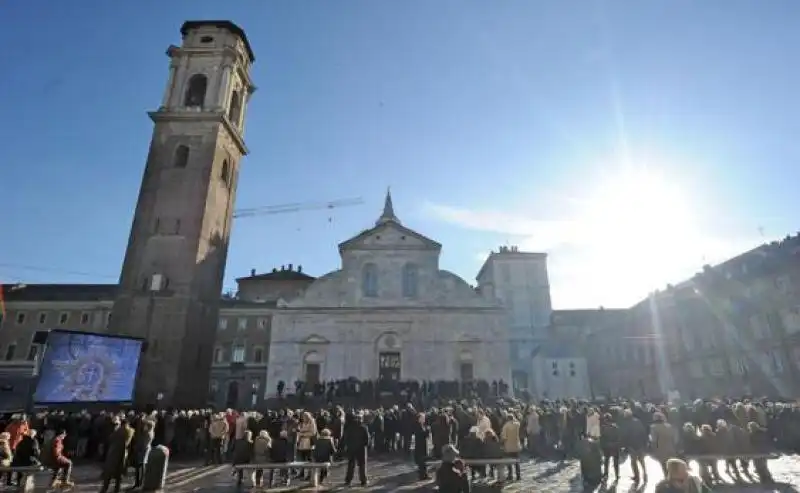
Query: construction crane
[[296, 207]]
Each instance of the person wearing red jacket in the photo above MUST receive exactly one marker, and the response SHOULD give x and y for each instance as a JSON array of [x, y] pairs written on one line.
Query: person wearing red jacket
[[61, 463], [17, 429]]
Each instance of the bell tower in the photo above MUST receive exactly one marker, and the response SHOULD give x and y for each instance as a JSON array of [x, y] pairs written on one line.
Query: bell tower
[[171, 280]]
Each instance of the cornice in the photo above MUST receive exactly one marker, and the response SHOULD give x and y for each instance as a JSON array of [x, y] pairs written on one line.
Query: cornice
[[166, 115], [59, 305]]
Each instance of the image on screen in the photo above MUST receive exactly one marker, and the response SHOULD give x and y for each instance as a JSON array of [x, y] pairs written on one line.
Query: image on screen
[[80, 367]]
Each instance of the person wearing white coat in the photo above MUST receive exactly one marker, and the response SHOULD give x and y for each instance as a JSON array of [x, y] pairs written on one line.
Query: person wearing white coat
[[593, 424]]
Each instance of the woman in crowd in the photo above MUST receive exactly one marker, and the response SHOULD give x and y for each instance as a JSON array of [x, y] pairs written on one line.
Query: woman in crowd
[[306, 435], [509, 435]]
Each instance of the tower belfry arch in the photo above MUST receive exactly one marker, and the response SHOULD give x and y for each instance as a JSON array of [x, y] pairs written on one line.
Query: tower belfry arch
[[174, 264]]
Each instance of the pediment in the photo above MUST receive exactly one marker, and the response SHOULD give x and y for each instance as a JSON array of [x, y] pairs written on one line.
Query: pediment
[[315, 339], [390, 235]]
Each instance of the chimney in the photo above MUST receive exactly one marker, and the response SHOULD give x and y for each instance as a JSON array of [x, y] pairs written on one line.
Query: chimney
[[252, 272], [299, 268], [290, 267], [283, 268]]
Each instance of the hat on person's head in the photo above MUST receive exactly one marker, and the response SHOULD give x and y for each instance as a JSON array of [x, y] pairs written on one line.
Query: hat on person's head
[[449, 453]]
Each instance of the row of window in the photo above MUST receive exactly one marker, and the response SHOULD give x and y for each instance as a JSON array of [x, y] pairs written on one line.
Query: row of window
[[64, 318], [410, 280], [238, 354], [10, 354], [242, 323]]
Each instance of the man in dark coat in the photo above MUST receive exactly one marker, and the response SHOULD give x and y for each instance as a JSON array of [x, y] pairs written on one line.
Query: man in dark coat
[[117, 457], [356, 441]]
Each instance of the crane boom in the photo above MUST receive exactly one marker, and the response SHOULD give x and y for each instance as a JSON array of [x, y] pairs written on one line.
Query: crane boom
[[296, 207]]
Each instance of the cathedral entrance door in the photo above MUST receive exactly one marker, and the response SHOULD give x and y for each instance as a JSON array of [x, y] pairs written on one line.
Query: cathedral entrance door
[[467, 372], [312, 375], [389, 367]]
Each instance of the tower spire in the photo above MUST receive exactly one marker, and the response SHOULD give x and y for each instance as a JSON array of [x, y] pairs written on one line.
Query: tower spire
[[388, 210]]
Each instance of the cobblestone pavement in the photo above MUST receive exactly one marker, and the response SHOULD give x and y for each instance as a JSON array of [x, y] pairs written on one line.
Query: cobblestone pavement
[[396, 477]]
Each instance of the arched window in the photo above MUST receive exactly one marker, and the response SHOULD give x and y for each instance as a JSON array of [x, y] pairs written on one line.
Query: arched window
[[196, 91], [369, 283], [235, 109], [181, 156], [225, 172], [410, 272]]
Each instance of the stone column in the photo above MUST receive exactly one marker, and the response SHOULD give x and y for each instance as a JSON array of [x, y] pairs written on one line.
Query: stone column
[[224, 83], [173, 67]]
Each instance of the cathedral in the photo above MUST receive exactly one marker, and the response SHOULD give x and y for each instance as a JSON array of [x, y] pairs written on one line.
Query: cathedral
[[390, 313]]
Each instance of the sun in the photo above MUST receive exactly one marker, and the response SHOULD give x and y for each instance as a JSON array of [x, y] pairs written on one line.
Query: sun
[[639, 204], [641, 228]]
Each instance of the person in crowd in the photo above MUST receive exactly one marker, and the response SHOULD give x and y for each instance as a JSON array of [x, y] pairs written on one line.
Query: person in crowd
[[610, 444], [492, 449], [356, 440], [591, 462], [472, 448], [534, 431], [262, 446], [140, 451], [451, 476], [5, 454], [593, 428], [26, 455], [116, 461], [678, 480], [708, 445], [509, 436], [60, 463], [662, 440], [421, 432], [242, 454], [306, 436], [324, 451], [635, 440], [760, 443], [218, 433], [17, 429], [280, 453]]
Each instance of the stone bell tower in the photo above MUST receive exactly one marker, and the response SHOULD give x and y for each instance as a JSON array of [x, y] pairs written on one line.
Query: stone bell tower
[[171, 280]]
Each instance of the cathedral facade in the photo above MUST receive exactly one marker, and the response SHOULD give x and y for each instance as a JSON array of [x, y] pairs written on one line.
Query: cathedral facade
[[389, 313]]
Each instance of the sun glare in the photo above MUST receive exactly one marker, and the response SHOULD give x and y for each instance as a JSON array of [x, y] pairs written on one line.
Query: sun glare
[[642, 228], [638, 203]]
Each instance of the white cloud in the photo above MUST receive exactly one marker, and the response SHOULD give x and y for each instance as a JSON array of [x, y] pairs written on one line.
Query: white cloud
[[607, 261]]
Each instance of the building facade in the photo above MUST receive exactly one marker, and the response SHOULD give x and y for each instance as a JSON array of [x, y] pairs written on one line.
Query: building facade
[[169, 289], [389, 313], [731, 330], [519, 280]]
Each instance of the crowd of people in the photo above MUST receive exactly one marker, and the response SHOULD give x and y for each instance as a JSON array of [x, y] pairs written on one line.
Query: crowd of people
[[596, 433]]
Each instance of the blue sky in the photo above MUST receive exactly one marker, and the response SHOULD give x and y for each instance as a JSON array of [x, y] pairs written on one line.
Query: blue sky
[[633, 141]]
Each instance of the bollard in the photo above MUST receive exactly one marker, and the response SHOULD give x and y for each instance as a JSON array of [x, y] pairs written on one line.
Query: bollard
[[155, 471]]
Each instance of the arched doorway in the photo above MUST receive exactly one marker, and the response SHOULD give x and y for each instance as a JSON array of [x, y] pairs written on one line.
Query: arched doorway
[[232, 399], [312, 369]]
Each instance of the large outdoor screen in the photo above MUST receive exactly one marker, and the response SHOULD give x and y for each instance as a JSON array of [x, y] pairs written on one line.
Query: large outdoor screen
[[81, 367]]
